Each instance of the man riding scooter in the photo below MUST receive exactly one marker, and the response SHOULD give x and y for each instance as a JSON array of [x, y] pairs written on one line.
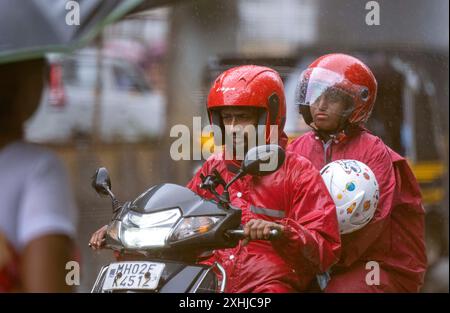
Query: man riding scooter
[[292, 200]]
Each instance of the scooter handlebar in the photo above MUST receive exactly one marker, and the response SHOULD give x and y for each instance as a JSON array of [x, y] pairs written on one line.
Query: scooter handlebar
[[239, 233]]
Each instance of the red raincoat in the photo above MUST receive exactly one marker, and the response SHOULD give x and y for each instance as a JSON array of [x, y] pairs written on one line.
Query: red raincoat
[[294, 196], [395, 236]]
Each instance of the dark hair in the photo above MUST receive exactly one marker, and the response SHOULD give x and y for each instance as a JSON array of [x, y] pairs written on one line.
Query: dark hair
[[16, 100]]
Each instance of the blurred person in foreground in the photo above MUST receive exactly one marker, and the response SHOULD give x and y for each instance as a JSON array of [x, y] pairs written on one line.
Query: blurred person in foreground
[[37, 211], [336, 95]]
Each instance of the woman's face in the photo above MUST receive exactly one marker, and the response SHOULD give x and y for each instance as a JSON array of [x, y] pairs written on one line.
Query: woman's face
[[328, 110]]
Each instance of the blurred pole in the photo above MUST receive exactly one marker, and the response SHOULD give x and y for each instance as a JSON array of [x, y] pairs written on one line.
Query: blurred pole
[[97, 114], [199, 30]]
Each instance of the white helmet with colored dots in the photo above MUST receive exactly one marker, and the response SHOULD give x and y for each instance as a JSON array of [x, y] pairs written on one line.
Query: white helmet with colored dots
[[355, 191]]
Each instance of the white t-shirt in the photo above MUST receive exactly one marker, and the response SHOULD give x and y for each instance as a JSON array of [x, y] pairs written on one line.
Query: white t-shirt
[[35, 195]]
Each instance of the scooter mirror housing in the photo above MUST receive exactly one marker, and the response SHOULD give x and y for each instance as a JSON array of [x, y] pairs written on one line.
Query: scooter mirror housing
[[101, 182], [259, 161], [263, 160]]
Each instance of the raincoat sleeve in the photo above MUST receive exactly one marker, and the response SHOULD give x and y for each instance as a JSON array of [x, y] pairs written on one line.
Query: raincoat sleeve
[[311, 242], [376, 155]]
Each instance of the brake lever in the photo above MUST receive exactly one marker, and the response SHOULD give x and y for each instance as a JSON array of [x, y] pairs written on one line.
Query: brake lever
[[210, 183], [219, 178]]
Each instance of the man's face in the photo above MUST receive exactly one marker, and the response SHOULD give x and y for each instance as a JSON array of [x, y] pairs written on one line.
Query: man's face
[[237, 121], [328, 110]]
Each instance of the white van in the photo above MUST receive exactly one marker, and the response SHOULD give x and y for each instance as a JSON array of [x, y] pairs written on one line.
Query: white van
[[129, 109]]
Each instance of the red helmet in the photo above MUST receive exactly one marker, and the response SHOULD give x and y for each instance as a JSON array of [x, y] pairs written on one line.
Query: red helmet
[[342, 72], [253, 86]]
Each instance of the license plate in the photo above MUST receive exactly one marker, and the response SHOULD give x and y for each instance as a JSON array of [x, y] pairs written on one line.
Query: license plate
[[133, 275]]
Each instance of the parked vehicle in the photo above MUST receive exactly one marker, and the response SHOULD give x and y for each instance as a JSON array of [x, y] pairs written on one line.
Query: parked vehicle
[[85, 86]]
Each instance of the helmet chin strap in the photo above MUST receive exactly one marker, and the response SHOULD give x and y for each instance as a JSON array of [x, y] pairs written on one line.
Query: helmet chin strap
[[326, 135]]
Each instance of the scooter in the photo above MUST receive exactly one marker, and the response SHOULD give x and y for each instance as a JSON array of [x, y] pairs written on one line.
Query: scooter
[[165, 231]]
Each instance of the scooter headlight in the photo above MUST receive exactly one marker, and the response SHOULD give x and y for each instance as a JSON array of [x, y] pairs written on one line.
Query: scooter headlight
[[148, 230], [191, 226]]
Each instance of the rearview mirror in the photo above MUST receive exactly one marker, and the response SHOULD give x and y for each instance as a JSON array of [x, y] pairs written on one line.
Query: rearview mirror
[[101, 182], [263, 160], [259, 161]]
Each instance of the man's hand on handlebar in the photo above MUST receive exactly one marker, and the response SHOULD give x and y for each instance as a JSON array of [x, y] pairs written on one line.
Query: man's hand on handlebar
[[98, 238], [257, 229]]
